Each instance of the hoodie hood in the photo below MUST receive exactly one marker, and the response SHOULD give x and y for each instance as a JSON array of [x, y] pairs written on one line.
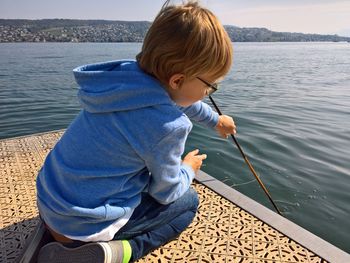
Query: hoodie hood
[[118, 86]]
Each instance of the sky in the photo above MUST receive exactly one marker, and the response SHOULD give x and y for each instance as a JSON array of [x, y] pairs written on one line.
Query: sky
[[305, 16]]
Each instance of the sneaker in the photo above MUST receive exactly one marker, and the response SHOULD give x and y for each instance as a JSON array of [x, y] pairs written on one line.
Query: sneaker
[[98, 252]]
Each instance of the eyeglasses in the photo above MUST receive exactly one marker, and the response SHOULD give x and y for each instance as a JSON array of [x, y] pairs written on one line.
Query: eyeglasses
[[211, 87]]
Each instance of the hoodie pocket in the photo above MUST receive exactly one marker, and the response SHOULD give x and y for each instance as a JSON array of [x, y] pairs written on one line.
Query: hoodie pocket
[[114, 212]]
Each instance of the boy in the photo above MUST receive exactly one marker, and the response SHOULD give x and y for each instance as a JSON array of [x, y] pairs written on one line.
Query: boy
[[114, 187]]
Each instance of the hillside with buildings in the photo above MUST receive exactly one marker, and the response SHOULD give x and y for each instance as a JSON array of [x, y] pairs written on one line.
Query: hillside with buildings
[[67, 30]]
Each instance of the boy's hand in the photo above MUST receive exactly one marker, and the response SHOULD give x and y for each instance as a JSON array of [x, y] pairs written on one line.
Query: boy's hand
[[225, 126], [194, 160]]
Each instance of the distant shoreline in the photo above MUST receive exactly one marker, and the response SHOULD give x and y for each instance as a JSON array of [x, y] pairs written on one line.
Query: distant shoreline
[[107, 31], [256, 42]]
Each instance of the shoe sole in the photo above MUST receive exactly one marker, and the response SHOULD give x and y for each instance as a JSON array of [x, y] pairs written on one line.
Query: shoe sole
[[90, 253]]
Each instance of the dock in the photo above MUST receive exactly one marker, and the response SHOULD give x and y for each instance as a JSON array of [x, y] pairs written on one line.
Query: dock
[[229, 227]]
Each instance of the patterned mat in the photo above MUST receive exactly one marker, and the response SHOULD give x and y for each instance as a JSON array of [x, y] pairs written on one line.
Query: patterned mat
[[221, 231]]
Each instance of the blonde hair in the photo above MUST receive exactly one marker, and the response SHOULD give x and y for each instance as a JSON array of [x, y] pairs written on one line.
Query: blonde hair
[[186, 39]]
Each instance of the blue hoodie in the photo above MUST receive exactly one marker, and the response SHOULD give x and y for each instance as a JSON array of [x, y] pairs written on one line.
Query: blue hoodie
[[128, 139]]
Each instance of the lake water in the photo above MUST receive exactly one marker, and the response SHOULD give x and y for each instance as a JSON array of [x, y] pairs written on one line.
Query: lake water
[[290, 101]]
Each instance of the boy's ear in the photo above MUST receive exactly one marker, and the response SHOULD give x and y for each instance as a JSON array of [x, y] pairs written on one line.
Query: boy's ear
[[176, 81]]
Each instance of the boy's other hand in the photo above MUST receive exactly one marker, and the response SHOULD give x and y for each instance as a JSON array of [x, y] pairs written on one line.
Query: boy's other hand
[[225, 126], [194, 159]]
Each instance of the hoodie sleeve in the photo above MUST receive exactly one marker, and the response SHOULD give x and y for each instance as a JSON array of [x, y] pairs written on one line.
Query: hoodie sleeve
[[202, 113], [170, 179]]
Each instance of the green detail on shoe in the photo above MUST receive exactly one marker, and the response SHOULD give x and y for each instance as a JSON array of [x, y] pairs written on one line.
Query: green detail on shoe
[[127, 251]]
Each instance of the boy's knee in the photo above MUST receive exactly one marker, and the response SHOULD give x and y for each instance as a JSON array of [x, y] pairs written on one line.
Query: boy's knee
[[192, 198]]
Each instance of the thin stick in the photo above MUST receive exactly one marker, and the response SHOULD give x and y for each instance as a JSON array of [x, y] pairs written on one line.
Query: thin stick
[[247, 161]]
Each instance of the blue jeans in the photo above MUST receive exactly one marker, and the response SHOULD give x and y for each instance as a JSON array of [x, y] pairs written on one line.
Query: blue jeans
[[153, 224]]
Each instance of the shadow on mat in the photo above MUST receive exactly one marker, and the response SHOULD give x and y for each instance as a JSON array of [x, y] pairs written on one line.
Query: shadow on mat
[[21, 242]]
